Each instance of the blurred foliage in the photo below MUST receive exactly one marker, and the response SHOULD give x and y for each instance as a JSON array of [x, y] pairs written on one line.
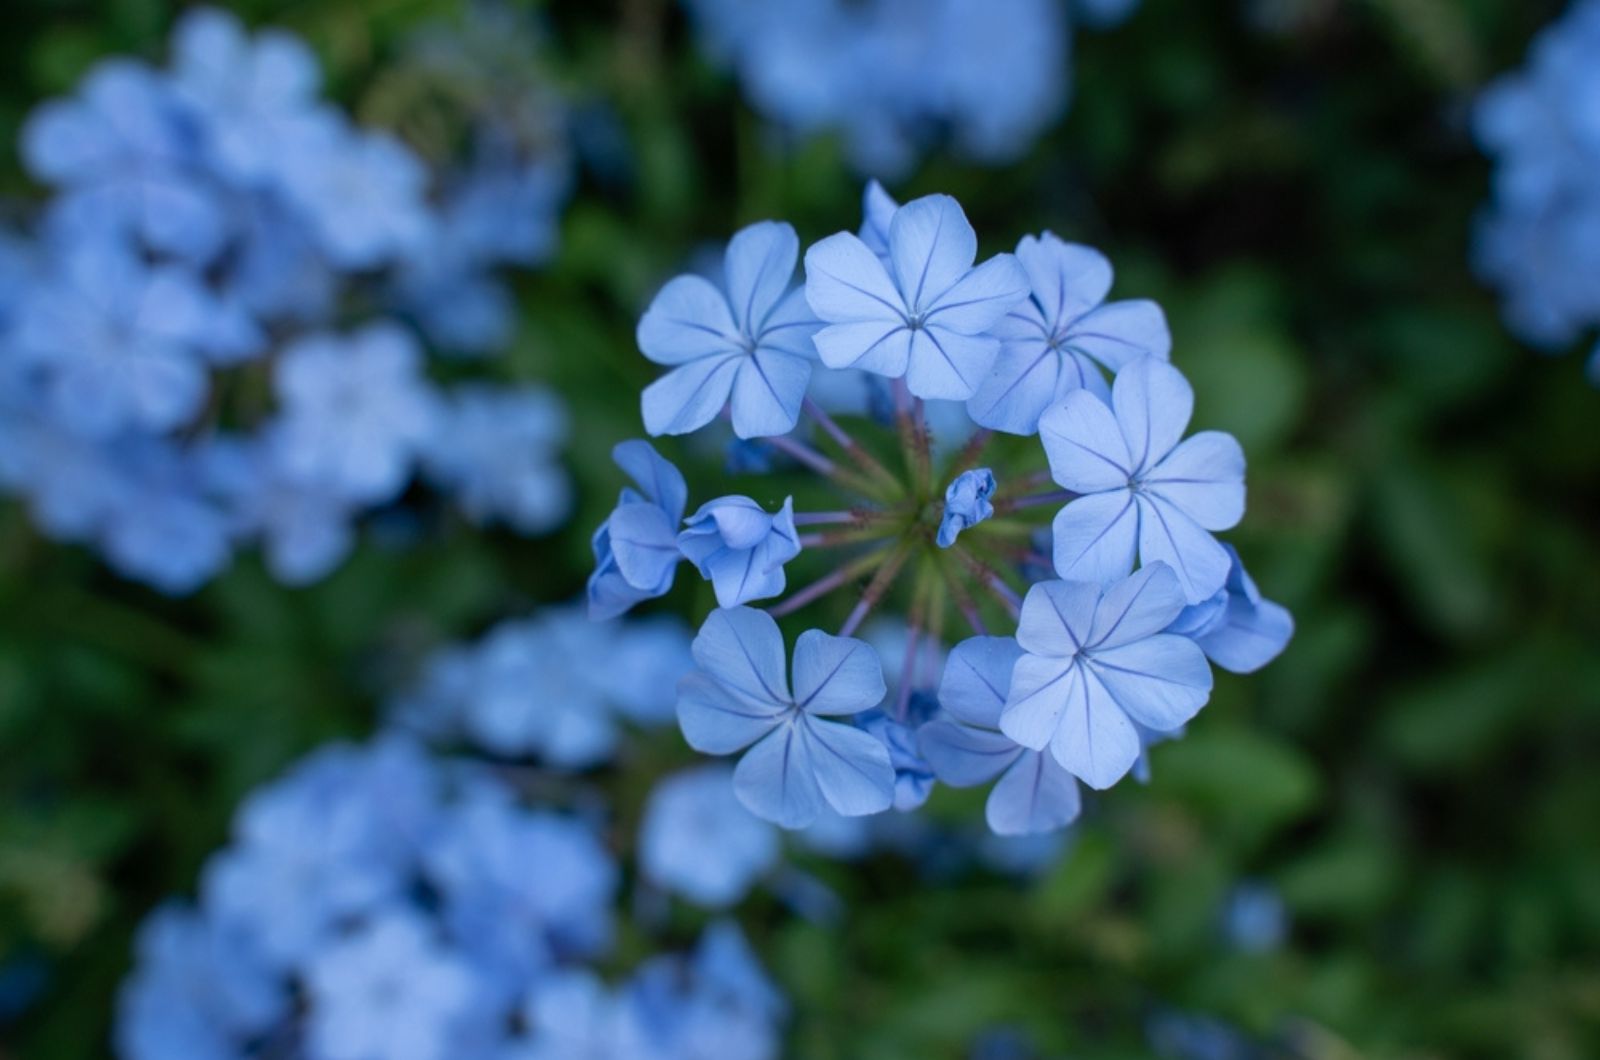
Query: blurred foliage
[[1294, 181]]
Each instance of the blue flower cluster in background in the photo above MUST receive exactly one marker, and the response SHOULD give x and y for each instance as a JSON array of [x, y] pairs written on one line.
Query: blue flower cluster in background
[[214, 335], [1119, 608], [377, 903], [1539, 239], [892, 77]]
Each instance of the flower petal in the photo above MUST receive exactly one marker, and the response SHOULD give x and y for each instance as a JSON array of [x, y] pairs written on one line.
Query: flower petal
[[852, 767], [789, 327], [1139, 605], [742, 649], [717, 722], [976, 678], [758, 264], [1066, 279], [1204, 477], [1153, 403], [963, 756], [767, 392], [644, 544], [845, 281], [1040, 688], [836, 675], [776, 780], [1095, 741], [1119, 333], [877, 213], [931, 246], [1161, 682], [1034, 795], [688, 319], [657, 478], [1250, 637], [1057, 617], [689, 397], [1027, 378], [948, 365], [977, 301], [1095, 537], [1167, 535], [1085, 445], [879, 346]]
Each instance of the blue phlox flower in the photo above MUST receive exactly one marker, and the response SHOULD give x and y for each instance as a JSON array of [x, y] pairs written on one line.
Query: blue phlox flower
[[925, 315], [498, 450], [727, 969], [740, 547], [798, 761], [125, 158], [748, 346], [966, 747], [698, 840], [648, 656], [116, 344], [966, 504], [1253, 917], [509, 919], [573, 1013], [636, 548], [1094, 663], [388, 990], [1059, 339], [1140, 488], [363, 193], [357, 411], [277, 270], [877, 213], [161, 529], [913, 776], [256, 97], [1237, 628], [505, 208]]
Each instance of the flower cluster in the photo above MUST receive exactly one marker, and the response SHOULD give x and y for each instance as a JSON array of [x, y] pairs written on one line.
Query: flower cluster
[[1539, 240], [890, 75], [1106, 620], [177, 376], [379, 904]]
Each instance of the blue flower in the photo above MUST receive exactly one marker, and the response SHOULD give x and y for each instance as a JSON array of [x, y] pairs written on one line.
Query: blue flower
[[125, 157], [257, 97], [388, 989], [699, 841], [749, 345], [1058, 340], [1237, 628], [1253, 917], [926, 314], [1096, 662], [913, 776], [800, 761], [357, 411], [498, 450], [1140, 489], [966, 504], [1034, 793], [740, 548], [363, 193], [159, 529], [305, 531], [636, 548]]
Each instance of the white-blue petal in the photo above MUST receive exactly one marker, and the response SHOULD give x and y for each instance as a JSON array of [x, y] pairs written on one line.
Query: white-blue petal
[[687, 320], [1066, 279], [977, 301], [1144, 603], [1161, 682], [656, 477], [1057, 617], [742, 649], [1096, 537], [644, 544], [1040, 688], [836, 675], [1167, 535], [758, 265], [1153, 403], [690, 396], [963, 756], [1035, 795], [846, 282], [947, 365], [931, 246], [877, 346], [767, 392], [776, 779], [852, 767], [1094, 741], [716, 721], [1085, 445], [1203, 476], [976, 678], [1251, 636], [1119, 333]]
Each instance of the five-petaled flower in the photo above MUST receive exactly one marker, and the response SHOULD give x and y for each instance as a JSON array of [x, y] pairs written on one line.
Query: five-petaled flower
[[1095, 662], [1139, 488], [1058, 340], [636, 548], [740, 696], [925, 314], [1034, 793], [750, 344], [741, 548]]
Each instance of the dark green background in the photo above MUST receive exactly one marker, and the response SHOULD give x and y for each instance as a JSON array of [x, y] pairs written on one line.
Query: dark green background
[[1417, 774]]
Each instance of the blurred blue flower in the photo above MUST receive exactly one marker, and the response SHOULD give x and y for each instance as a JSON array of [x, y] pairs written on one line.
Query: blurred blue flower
[[739, 696], [966, 504], [1034, 793], [748, 345], [357, 411], [1254, 918], [387, 991], [497, 449], [698, 840], [636, 548], [363, 193], [741, 548], [925, 315], [1238, 629], [1058, 340], [1140, 489], [1095, 662]]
